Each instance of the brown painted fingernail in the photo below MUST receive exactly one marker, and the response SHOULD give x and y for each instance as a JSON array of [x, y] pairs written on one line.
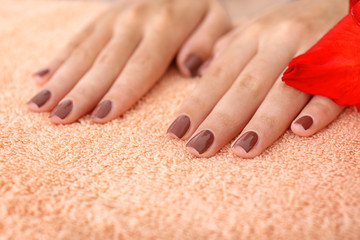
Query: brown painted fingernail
[[305, 122], [180, 126], [202, 141], [41, 98], [42, 72], [103, 109], [193, 63], [63, 109], [247, 141]]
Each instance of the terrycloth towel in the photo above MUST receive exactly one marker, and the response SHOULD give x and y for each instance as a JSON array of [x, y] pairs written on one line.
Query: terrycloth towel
[[128, 180]]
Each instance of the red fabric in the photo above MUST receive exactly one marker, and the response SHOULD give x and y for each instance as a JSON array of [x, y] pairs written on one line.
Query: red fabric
[[331, 67], [352, 3]]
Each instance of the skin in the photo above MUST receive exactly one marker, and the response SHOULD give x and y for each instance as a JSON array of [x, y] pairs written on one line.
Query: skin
[[235, 97], [232, 97], [128, 48]]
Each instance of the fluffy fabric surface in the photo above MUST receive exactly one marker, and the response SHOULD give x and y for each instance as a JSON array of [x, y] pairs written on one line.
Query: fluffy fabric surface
[[128, 180]]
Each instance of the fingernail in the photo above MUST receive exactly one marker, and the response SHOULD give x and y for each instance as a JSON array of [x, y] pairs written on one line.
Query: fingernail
[[305, 122], [247, 141], [63, 109], [180, 126], [41, 98], [202, 141], [103, 109], [42, 72], [193, 63]]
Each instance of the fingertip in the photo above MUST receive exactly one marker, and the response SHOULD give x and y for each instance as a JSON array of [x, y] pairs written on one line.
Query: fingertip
[[55, 120], [96, 120], [40, 77], [33, 107], [303, 126], [190, 65], [193, 151], [240, 152], [39, 80], [248, 145], [297, 129]]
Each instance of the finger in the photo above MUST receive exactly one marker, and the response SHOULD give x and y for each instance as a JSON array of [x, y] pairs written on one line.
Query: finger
[[212, 86], [72, 69], [97, 81], [198, 47], [150, 60], [43, 75], [237, 106], [223, 43], [145, 67], [270, 121], [316, 115]]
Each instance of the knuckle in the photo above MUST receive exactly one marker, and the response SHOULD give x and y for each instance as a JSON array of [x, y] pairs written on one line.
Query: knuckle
[[134, 13], [250, 84], [268, 120], [281, 87], [224, 119], [82, 93], [107, 56], [295, 26], [216, 74], [198, 102], [255, 28], [165, 18], [82, 52]]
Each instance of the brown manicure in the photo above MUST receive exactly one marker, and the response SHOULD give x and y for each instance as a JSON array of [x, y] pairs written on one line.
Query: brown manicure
[[42, 72], [202, 141], [103, 109], [305, 122], [180, 126], [193, 63], [63, 109], [41, 98], [247, 141]]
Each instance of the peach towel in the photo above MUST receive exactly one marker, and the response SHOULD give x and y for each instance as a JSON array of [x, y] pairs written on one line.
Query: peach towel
[[128, 180]]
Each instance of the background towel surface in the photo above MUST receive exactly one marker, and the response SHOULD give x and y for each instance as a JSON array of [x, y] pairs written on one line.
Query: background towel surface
[[128, 180]]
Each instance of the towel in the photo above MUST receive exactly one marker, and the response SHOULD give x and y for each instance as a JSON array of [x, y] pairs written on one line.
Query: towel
[[128, 180]]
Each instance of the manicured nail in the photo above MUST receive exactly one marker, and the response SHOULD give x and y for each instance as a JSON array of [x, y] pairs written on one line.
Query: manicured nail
[[202, 141], [247, 141], [180, 126], [305, 122], [63, 109], [41, 98], [42, 72], [103, 109], [193, 63]]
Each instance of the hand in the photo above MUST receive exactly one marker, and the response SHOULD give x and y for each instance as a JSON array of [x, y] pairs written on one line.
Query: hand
[[123, 53], [242, 91]]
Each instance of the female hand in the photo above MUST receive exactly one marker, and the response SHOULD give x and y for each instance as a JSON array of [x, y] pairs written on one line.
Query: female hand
[[122, 54], [242, 91]]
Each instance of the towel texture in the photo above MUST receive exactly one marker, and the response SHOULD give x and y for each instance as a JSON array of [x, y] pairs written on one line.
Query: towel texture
[[128, 180]]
